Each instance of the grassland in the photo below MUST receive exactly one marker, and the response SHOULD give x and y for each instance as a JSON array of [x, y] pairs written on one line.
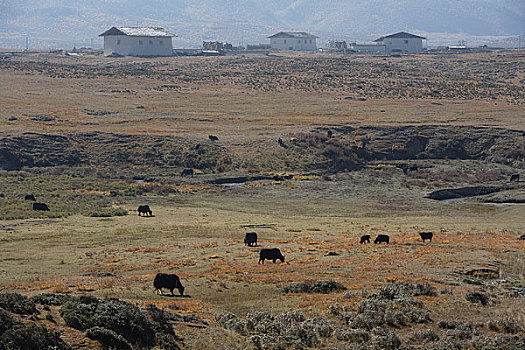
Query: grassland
[[98, 137]]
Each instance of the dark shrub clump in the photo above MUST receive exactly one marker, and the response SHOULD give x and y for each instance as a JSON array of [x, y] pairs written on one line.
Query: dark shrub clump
[[14, 334], [108, 338], [323, 287], [477, 297], [17, 303], [123, 318]]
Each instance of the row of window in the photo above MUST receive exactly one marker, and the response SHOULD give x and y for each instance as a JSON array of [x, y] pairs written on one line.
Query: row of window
[[299, 41], [140, 42]]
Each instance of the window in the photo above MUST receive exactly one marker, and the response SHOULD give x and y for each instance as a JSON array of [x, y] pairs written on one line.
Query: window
[[151, 42], [299, 41], [310, 41], [140, 42], [285, 41], [406, 41], [118, 42], [161, 42]]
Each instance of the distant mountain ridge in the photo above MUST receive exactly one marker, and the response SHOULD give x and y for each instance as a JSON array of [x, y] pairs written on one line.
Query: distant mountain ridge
[[65, 22]]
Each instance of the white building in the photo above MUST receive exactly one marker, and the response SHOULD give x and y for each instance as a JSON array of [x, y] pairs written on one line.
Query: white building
[[296, 41], [379, 48], [401, 42], [137, 41]]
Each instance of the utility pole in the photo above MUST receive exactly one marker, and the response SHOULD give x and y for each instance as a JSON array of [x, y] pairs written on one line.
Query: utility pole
[[27, 43], [91, 43]]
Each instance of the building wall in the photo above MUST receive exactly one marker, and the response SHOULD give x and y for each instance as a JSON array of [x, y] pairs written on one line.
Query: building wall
[[367, 48], [400, 44], [137, 46], [293, 44]]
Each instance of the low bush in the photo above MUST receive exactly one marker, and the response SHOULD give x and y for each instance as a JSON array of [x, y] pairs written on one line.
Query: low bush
[[17, 303], [118, 316], [505, 325], [50, 299], [108, 338], [14, 334], [323, 287], [477, 297]]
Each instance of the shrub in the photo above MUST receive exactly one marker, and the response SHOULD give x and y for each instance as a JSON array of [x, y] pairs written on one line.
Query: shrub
[[14, 334], [50, 299], [385, 340], [323, 287], [6, 321], [352, 335], [165, 337], [17, 303], [108, 338], [424, 335], [118, 316], [230, 321], [477, 297], [506, 325]]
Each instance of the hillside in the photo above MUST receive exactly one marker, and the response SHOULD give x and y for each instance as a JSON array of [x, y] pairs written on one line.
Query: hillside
[[59, 23]]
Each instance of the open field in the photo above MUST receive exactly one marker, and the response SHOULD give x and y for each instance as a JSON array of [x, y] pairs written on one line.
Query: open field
[[96, 137]]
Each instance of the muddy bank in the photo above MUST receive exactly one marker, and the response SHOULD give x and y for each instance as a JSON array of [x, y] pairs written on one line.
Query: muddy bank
[[323, 149], [463, 192]]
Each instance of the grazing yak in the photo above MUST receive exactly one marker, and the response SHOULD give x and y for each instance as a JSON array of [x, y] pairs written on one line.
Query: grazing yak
[[213, 138], [40, 206], [426, 235], [250, 239], [521, 238], [382, 238], [270, 254], [187, 172], [515, 177], [168, 281], [365, 239], [144, 209], [29, 197]]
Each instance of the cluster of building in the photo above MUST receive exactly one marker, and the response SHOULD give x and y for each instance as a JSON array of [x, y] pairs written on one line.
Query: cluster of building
[[151, 41]]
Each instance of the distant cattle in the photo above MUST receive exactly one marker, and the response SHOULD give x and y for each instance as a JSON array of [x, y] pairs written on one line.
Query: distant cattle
[[187, 172], [406, 169], [40, 206], [144, 209], [329, 133], [270, 254], [426, 235], [382, 238], [29, 197], [332, 254], [515, 177], [250, 239], [213, 138], [521, 238], [281, 142], [2, 195], [167, 281], [365, 239]]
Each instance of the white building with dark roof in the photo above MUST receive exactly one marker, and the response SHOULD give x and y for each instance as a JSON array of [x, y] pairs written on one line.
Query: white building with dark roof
[[401, 42], [295, 41], [137, 41]]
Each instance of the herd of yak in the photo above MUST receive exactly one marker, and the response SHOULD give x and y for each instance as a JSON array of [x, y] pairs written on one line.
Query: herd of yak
[[172, 281]]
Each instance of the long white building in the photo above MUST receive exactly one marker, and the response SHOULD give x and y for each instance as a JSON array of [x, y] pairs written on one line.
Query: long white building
[[401, 42], [137, 41], [295, 41]]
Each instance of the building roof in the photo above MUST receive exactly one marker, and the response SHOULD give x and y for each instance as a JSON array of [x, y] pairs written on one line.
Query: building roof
[[298, 35], [138, 31], [400, 35]]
